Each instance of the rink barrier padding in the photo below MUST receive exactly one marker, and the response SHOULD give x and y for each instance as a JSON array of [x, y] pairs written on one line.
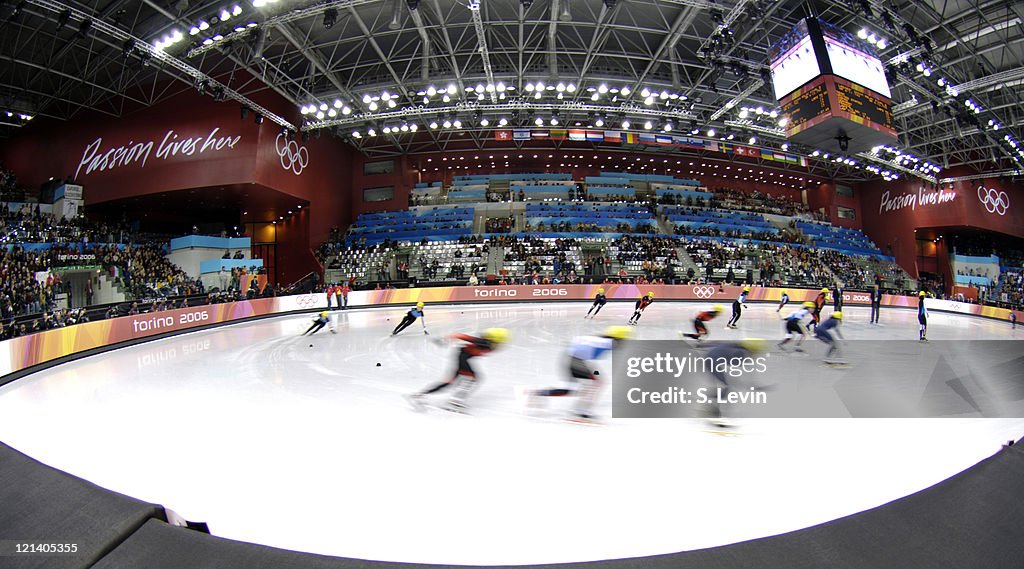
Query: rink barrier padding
[[26, 354], [972, 520], [42, 505]]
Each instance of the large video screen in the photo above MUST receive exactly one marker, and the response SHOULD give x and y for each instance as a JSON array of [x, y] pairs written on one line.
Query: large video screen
[[854, 59], [793, 62]]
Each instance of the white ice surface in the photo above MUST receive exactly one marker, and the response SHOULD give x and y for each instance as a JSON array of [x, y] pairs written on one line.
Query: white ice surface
[[272, 441]]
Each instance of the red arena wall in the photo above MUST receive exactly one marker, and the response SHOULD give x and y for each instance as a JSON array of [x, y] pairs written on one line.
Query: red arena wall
[[194, 143], [893, 210]]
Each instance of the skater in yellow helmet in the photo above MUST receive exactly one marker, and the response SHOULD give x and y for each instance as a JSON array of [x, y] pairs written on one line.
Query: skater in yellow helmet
[[465, 378], [581, 380], [599, 301], [410, 317], [641, 304], [741, 300], [319, 321], [824, 331]]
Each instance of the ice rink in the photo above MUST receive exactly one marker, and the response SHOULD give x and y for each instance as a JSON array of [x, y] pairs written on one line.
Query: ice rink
[[306, 444]]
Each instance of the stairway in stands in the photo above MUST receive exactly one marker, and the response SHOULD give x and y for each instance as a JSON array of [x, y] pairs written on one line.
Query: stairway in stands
[[495, 259]]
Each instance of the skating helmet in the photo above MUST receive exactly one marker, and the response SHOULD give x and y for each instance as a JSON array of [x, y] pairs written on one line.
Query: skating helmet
[[600, 291], [837, 315], [784, 292], [496, 335], [825, 290], [746, 289], [619, 332], [756, 345], [810, 304], [420, 304], [650, 294], [922, 293], [717, 308], [323, 314]]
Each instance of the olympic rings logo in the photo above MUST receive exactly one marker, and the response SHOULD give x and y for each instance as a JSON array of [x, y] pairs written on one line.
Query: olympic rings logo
[[293, 157], [703, 291], [995, 201], [306, 300]]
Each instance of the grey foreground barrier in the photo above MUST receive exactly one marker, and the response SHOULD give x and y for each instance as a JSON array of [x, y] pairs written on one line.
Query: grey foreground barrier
[[50, 519]]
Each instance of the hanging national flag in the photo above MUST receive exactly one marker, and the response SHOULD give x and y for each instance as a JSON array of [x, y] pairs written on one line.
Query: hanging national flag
[[559, 134], [663, 139], [687, 142], [595, 136], [647, 138], [521, 134], [630, 138], [612, 136], [575, 134], [539, 133], [503, 135], [747, 152]]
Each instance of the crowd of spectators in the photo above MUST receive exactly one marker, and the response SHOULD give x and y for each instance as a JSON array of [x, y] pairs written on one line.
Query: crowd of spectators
[[932, 284], [709, 231], [760, 202], [537, 253], [499, 224], [580, 227], [47, 321], [655, 257], [22, 292], [785, 264], [144, 271], [468, 256], [1010, 290], [27, 224]]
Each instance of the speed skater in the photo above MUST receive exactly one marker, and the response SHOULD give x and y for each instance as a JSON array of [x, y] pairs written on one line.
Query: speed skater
[[824, 331], [465, 378], [741, 300], [581, 380], [319, 322], [641, 304], [795, 326], [599, 301], [783, 301], [410, 317], [700, 329]]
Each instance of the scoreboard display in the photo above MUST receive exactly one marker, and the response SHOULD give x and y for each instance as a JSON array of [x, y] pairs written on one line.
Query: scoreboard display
[[861, 105], [831, 106], [806, 107]]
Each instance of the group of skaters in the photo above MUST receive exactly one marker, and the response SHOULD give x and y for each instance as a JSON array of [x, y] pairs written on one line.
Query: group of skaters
[[582, 383]]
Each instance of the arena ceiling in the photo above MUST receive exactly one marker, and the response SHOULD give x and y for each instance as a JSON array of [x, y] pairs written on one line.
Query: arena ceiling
[[371, 64]]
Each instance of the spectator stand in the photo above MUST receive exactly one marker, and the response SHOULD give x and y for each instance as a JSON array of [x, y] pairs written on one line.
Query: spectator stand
[[527, 259], [438, 223], [443, 262], [588, 218]]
